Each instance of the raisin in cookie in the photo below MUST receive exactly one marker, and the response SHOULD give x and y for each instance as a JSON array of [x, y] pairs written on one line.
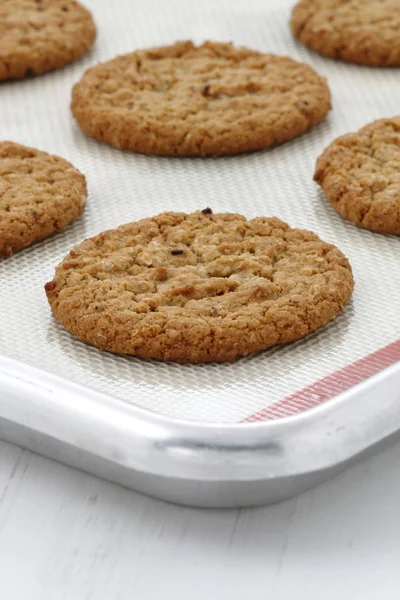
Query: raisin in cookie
[[360, 175], [41, 35], [199, 287], [208, 100], [359, 31], [39, 195]]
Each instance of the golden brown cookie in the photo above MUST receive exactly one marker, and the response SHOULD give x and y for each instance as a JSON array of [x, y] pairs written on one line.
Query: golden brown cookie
[[41, 35], [360, 175], [39, 195], [359, 31], [208, 100], [199, 287]]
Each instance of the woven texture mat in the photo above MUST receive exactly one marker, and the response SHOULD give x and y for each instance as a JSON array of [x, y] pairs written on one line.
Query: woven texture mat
[[125, 187]]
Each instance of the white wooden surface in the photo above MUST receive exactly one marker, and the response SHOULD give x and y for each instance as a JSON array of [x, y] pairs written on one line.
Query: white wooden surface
[[67, 536]]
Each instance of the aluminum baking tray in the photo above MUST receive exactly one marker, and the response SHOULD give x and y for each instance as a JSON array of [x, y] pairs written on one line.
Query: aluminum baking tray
[[257, 430]]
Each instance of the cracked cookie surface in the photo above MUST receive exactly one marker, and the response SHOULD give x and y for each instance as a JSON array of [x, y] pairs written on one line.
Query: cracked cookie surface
[[361, 31], [360, 175], [40, 194], [37, 36], [208, 100], [199, 287]]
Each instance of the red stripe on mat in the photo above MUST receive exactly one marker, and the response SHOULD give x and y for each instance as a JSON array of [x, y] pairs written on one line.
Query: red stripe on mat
[[331, 385]]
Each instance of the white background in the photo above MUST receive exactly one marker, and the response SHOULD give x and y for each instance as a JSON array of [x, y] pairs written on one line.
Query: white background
[[67, 536]]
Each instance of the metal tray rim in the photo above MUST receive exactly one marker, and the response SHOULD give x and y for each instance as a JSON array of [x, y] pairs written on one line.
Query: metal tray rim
[[188, 462]]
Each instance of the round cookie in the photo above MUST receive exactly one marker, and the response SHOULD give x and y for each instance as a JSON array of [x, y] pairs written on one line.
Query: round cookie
[[360, 31], [360, 175], [199, 287], [39, 195], [208, 100], [37, 36]]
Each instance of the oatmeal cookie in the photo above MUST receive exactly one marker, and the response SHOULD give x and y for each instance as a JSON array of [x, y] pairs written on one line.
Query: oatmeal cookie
[[199, 287], [39, 195], [208, 100], [360, 175], [360, 31], [41, 35]]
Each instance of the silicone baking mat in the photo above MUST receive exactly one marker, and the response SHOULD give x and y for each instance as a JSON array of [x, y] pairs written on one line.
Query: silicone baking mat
[[125, 187]]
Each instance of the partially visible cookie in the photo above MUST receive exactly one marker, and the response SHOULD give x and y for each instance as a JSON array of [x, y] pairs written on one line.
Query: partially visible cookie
[[208, 100], [360, 175], [41, 35], [39, 195], [199, 287], [359, 31]]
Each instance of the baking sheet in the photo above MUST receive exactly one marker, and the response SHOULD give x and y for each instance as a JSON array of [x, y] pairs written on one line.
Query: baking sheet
[[124, 187]]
